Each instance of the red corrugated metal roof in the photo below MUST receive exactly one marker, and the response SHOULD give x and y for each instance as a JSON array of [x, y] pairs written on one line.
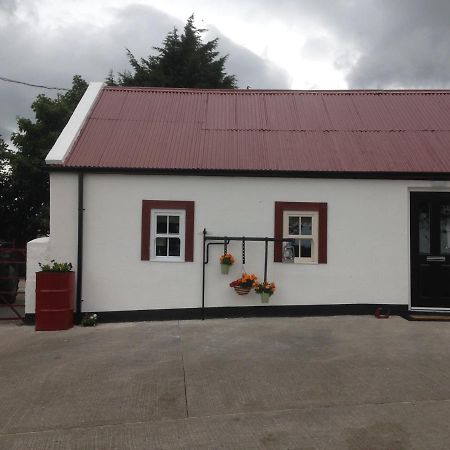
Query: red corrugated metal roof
[[312, 131]]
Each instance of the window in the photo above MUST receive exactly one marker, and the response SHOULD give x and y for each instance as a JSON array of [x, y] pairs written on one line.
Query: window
[[167, 230], [306, 223], [302, 227], [167, 235]]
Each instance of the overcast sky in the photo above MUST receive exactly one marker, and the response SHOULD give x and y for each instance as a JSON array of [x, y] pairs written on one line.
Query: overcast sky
[[282, 44]]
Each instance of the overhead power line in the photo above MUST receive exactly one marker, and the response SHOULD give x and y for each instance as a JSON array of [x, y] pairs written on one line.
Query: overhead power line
[[33, 85]]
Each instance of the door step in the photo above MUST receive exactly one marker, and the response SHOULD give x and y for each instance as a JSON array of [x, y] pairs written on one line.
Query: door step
[[437, 317]]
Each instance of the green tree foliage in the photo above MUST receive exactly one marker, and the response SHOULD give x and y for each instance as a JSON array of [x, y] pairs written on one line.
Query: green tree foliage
[[5, 180], [183, 61], [24, 208], [4, 158]]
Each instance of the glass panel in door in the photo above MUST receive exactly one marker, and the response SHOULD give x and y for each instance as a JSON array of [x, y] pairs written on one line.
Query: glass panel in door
[[424, 227], [444, 216]]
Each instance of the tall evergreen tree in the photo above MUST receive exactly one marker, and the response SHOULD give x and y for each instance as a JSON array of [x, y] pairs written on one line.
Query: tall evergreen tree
[[183, 61], [24, 207]]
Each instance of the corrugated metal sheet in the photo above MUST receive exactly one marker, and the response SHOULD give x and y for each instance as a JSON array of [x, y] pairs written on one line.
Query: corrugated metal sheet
[[335, 131]]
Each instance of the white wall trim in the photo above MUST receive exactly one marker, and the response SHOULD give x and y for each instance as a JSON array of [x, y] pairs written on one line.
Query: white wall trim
[[66, 139], [38, 251]]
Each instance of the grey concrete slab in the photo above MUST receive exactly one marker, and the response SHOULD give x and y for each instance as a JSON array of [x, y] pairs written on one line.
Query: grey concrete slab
[[88, 376], [395, 426], [291, 363], [310, 383]]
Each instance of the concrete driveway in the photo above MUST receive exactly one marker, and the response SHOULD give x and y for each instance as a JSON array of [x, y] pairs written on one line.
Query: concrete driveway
[[283, 383]]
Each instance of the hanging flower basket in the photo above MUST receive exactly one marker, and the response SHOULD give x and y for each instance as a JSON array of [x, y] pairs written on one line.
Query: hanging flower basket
[[226, 261], [242, 290], [265, 290], [243, 285]]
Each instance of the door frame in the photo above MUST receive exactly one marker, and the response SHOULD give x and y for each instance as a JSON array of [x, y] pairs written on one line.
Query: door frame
[[425, 190]]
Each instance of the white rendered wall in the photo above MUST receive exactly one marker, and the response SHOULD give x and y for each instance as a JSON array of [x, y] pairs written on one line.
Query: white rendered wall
[[64, 217], [38, 251], [368, 241], [62, 246]]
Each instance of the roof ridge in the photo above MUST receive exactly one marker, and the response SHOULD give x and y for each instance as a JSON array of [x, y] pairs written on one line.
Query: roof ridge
[[277, 91], [291, 130]]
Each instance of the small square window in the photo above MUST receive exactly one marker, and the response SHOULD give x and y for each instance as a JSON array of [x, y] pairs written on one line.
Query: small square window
[[303, 228], [306, 224], [167, 230], [167, 235]]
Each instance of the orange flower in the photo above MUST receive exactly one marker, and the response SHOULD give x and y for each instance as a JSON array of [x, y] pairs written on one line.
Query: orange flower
[[227, 258], [265, 286], [247, 280]]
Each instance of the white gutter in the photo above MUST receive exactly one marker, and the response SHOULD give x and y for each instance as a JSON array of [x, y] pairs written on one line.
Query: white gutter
[[69, 134]]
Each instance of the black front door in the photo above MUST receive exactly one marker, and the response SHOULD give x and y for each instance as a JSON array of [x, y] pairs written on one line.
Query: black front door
[[430, 249]]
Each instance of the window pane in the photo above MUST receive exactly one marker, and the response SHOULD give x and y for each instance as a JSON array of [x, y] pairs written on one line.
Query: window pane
[[294, 225], [306, 248], [174, 247], [306, 228], [296, 248], [174, 224], [424, 227], [161, 224], [445, 227], [161, 246]]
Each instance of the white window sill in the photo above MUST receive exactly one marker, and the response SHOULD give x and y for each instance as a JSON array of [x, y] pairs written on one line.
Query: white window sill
[[167, 259]]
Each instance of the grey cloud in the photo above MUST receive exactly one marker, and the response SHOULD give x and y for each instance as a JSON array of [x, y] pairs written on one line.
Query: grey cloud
[[316, 48], [390, 44], [412, 51], [8, 6], [383, 43], [250, 69]]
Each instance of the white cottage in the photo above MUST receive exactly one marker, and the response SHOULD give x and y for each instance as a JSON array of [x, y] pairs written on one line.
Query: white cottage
[[142, 178]]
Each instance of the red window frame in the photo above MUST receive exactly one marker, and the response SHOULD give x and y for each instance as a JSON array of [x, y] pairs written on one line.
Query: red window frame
[[147, 206], [320, 208]]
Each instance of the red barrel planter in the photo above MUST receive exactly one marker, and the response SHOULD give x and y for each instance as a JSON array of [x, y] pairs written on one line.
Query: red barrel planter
[[55, 295]]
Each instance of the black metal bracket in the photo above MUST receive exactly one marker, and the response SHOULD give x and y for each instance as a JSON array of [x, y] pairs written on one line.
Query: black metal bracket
[[225, 240]]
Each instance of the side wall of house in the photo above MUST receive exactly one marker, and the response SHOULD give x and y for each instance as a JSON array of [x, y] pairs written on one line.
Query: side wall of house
[[62, 244], [368, 240], [64, 217]]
